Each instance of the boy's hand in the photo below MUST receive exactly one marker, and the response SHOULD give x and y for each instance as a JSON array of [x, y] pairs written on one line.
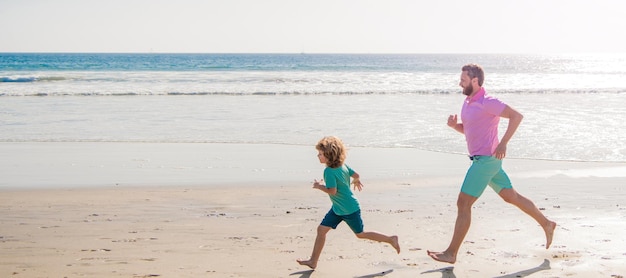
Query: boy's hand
[[319, 184], [357, 184]]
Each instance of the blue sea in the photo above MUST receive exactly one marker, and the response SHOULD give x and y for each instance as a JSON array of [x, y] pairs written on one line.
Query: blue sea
[[574, 104]]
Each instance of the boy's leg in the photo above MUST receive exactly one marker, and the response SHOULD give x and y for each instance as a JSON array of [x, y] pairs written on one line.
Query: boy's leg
[[392, 240], [356, 225], [320, 239]]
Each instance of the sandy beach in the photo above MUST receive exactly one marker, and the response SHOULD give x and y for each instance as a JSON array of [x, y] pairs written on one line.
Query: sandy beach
[[237, 210]]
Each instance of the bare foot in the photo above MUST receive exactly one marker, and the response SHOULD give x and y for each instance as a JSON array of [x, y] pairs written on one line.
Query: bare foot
[[395, 244], [442, 257], [308, 263], [549, 230]]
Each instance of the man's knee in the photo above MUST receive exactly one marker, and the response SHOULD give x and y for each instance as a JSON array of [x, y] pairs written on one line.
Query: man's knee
[[509, 195], [465, 201]]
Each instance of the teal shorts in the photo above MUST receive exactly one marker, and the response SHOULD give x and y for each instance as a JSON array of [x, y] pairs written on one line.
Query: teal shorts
[[485, 170], [354, 220]]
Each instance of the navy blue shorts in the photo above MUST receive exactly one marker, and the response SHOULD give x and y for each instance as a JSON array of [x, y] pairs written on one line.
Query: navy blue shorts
[[353, 220]]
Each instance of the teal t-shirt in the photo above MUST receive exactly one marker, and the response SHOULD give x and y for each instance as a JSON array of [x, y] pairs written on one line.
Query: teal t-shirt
[[344, 202]]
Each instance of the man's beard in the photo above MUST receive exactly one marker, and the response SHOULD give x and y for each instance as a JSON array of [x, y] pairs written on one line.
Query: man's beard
[[468, 90]]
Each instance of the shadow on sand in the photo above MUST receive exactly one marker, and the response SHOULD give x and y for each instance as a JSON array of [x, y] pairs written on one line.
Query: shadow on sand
[[303, 274], [447, 272], [307, 274], [543, 266]]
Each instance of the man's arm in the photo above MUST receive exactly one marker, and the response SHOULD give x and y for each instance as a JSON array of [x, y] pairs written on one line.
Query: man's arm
[[515, 118], [453, 123]]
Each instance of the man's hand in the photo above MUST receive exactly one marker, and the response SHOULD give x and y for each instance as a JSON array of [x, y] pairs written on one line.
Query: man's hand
[[501, 151], [452, 121]]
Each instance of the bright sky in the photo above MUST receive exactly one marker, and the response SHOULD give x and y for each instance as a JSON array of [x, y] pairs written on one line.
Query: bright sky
[[313, 26]]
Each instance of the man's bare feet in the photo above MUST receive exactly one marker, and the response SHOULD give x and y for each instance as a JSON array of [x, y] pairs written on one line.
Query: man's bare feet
[[442, 257], [395, 244], [549, 230], [308, 263]]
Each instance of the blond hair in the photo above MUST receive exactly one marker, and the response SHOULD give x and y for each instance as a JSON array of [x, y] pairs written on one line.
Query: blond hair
[[333, 149]]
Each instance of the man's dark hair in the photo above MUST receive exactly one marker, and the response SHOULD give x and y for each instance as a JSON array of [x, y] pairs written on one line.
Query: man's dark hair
[[475, 71]]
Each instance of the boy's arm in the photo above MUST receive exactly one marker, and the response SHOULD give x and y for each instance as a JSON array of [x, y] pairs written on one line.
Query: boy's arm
[[319, 185], [356, 181]]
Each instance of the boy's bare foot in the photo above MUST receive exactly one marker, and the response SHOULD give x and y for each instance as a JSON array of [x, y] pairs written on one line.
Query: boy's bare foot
[[442, 257], [549, 230], [308, 263], [395, 244]]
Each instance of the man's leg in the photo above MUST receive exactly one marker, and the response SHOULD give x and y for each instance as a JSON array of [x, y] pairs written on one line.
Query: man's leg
[[320, 239], [511, 196], [463, 220]]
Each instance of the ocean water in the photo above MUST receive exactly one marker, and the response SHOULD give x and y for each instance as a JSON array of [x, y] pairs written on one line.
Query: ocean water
[[574, 104]]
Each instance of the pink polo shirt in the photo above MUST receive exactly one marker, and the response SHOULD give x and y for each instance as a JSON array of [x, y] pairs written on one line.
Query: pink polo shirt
[[480, 116]]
